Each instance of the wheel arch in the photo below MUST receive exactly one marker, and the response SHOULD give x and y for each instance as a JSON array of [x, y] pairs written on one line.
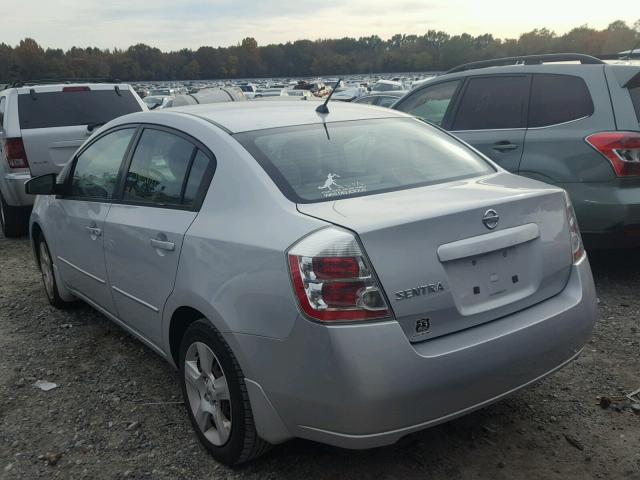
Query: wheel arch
[[180, 321]]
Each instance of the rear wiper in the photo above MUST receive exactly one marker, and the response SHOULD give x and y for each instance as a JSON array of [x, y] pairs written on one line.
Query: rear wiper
[[92, 126]]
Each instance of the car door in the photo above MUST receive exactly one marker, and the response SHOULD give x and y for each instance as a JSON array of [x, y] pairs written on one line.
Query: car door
[[491, 115], [80, 215], [165, 181]]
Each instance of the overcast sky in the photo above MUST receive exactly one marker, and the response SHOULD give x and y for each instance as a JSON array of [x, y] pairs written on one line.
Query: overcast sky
[[175, 24]]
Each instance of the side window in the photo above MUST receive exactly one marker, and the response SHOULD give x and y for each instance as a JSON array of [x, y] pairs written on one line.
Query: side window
[[367, 100], [2, 104], [494, 102], [158, 168], [557, 99], [196, 176], [386, 101], [96, 170], [431, 103]]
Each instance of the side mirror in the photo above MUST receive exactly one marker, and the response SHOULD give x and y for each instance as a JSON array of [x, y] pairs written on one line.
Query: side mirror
[[43, 185]]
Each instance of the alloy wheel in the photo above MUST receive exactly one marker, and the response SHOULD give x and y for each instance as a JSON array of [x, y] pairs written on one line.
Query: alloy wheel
[[208, 393]]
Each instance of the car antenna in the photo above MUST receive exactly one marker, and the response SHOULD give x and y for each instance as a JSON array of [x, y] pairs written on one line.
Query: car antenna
[[323, 108]]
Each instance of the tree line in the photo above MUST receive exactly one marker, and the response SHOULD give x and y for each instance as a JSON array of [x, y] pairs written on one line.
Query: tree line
[[433, 51]]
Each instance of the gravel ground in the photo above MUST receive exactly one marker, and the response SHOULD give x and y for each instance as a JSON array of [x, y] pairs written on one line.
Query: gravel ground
[[116, 412]]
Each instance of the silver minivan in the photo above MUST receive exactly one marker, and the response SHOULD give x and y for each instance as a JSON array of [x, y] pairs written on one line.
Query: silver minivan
[[348, 278]]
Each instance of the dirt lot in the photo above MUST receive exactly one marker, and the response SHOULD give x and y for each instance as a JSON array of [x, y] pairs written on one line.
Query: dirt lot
[[116, 412]]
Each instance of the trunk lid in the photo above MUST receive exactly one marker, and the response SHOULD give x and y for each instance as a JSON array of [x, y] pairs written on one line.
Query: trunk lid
[[441, 267]]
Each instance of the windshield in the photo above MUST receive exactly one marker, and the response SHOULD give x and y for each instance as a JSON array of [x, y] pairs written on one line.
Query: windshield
[[311, 164], [64, 109]]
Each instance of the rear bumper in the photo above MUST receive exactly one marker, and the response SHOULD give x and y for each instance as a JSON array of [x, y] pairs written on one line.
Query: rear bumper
[[13, 189], [363, 386], [608, 212]]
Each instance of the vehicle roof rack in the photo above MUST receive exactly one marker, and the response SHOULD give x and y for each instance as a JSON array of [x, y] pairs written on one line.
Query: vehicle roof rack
[[51, 81], [621, 56], [529, 60]]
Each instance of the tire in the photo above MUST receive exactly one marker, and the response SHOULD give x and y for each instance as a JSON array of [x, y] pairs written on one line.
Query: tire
[[13, 220], [48, 278], [216, 396]]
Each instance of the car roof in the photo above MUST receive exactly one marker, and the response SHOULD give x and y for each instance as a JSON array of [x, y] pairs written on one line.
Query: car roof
[[237, 117], [57, 87], [555, 68]]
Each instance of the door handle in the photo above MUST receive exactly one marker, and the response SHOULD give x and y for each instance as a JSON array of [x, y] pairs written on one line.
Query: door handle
[[163, 245], [95, 231], [505, 146]]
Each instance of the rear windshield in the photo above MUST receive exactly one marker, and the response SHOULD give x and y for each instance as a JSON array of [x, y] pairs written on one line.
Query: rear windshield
[[313, 163], [635, 98], [63, 109]]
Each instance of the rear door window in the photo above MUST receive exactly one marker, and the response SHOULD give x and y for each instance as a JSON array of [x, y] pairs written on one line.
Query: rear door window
[[430, 103], [74, 107], [493, 102], [159, 168], [96, 170], [167, 170], [557, 99]]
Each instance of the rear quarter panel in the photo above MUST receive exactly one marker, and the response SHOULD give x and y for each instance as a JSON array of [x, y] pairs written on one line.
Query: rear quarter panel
[[232, 266]]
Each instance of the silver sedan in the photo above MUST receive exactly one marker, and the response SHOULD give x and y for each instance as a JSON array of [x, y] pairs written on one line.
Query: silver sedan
[[347, 277]]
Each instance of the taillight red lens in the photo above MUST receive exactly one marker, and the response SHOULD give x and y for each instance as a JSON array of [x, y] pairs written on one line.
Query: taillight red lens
[[622, 149], [341, 294], [332, 279], [336, 267], [16, 155]]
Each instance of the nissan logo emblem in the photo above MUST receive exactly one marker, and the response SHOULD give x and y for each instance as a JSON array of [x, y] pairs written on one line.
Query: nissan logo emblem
[[490, 219]]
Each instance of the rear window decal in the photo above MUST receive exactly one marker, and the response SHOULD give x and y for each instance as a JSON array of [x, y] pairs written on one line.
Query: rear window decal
[[330, 188]]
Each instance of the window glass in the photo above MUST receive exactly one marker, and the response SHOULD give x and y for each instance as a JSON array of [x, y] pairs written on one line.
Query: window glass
[[158, 168], [635, 98], [354, 158], [493, 102], [430, 103], [386, 101], [557, 99], [196, 175], [96, 170], [368, 100], [63, 109]]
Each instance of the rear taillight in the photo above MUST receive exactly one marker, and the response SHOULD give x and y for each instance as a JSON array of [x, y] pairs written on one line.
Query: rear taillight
[[16, 155], [577, 247], [333, 280], [622, 149]]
